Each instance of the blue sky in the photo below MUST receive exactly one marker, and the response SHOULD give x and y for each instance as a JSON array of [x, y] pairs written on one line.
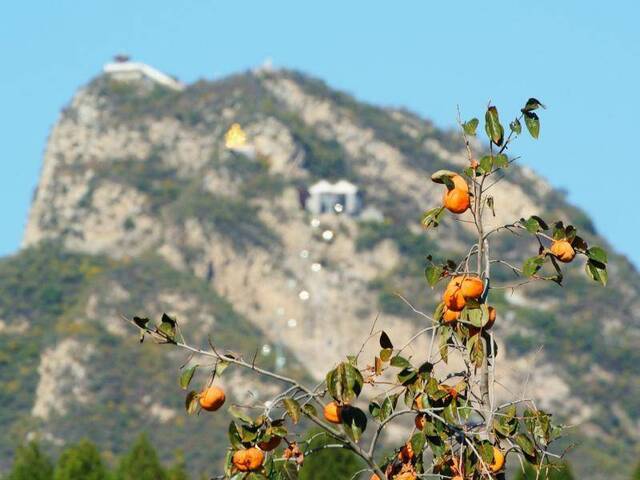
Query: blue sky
[[580, 58]]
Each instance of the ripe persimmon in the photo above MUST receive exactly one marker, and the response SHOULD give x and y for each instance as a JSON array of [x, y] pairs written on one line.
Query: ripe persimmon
[[460, 183], [470, 286], [248, 459], [453, 299], [212, 398], [492, 318], [420, 421], [498, 460], [563, 251], [443, 387], [406, 453], [450, 316], [456, 200], [406, 476], [333, 412]]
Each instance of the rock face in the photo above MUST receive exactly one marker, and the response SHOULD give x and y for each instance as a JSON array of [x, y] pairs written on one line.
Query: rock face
[[131, 174]]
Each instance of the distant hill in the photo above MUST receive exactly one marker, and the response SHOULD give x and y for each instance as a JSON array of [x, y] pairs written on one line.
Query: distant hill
[[141, 208]]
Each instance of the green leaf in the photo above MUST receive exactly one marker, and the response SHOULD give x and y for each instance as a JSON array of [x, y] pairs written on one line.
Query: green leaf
[[438, 447], [486, 452], [450, 412], [516, 126], [532, 122], [476, 316], [531, 265], [344, 382], [187, 375], [255, 476], [492, 125], [448, 182], [141, 321], [191, 402], [310, 410], [418, 441], [234, 436], [279, 431], [354, 422], [385, 354], [445, 335], [598, 254], [387, 407], [292, 407], [433, 274], [425, 369], [221, 366], [486, 163], [597, 272], [534, 224], [399, 361], [532, 104], [168, 327], [470, 126], [506, 424], [477, 352], [239, 414], [385, 341], [248, 433], [525, 443], [501, 161], [431, 218], [407, 376], [375, 410]]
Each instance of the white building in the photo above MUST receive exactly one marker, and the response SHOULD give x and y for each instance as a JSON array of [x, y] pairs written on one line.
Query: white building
[[338, 197], [124, 70]]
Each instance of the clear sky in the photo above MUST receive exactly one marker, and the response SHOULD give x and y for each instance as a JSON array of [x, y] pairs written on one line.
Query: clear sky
[[581, 58]]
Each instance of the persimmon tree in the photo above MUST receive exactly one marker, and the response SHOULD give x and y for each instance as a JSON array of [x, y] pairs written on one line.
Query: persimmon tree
[[459, 429]]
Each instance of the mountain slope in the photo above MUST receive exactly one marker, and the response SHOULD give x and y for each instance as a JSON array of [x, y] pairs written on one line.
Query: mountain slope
[[137, 182]]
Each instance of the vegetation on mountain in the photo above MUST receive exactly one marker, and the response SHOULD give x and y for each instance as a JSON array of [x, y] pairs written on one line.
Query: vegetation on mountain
[[81, 462], [31, 463]]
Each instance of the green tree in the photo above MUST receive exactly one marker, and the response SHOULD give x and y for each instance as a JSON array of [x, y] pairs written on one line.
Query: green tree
[[329, 463], [178, 471], [556, 471], [141, 463], [636, 473], [31, 463], [80, 462]]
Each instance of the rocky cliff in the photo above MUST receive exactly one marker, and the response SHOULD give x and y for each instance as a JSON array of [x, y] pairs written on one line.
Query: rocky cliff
[[142, 208]]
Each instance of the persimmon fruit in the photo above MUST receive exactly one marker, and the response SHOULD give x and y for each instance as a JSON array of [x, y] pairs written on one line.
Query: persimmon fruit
[[453, 299], [470, 286], [456, 200], [333, 412], [212, 398], [563, 251], [450, 316], [498, 460], [406, 453], [248, 459]]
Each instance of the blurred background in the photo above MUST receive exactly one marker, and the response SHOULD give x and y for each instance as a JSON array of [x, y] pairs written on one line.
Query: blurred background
[[131, 191]]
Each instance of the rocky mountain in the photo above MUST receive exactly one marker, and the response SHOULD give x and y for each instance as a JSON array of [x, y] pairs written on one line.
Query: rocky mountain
[[142, 208]]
